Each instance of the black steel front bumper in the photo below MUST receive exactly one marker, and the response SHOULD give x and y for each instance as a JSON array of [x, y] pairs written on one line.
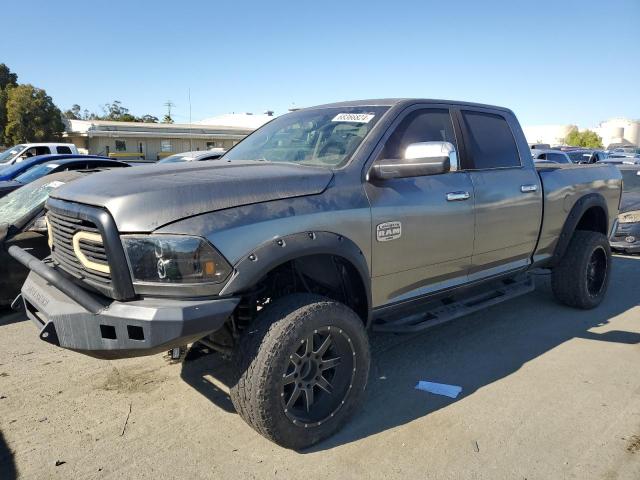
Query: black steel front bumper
[[104, 328], [626, 237]]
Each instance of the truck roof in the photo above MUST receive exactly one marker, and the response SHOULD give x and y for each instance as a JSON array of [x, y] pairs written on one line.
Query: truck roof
[[45, 144], [391, 102]]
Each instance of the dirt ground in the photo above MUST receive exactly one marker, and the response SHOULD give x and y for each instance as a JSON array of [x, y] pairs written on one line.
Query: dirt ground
[[548, 393]]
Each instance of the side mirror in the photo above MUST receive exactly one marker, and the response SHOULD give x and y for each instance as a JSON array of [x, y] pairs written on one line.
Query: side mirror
[[420, 159]]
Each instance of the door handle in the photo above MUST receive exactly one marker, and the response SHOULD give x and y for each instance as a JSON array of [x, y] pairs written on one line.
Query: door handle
[[457, 196], [528, 188]]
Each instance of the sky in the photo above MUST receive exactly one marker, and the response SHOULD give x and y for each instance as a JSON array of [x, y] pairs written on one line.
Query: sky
[[551, 62]]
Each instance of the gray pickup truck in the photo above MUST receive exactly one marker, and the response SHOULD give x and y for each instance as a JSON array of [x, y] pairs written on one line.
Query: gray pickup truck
[[391, 215]]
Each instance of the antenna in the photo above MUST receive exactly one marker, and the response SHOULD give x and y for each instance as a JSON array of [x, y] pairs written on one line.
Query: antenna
[[190, 132]]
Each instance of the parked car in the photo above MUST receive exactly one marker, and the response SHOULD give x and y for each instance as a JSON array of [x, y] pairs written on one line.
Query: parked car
[[22, 223], [12, 171], [20, 152], [630, 151], [586, 155], [391, 215], [626, 234], [621, 160], [550, 156], [78, 162], [195, 156], [570, 155]]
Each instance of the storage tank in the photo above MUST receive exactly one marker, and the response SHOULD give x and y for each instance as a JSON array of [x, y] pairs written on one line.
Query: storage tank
[[632, 133]]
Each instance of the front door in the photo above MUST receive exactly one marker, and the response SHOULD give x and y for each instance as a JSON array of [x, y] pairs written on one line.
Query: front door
[[508, 194], [422, 226]]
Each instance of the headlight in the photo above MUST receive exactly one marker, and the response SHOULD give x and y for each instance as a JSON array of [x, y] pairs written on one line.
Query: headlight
[[629, 217], [174, 259]]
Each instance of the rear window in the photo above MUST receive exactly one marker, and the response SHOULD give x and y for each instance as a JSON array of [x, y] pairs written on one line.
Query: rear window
[[36, 172], [491, 143], [579, 157], [557, 157]]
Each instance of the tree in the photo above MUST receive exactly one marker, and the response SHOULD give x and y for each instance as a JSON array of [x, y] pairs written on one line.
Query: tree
[[74, 113], [7, 81], [31, 116], [3, 112], [115, 111], [149, 119], [7, 78], [167, 119], [586, 138]]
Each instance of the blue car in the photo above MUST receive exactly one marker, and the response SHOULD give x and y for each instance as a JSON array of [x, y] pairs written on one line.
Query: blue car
[[12, 171], [75, 162]]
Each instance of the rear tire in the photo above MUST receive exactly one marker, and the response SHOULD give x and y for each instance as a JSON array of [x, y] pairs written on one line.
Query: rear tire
[[302, 368], [581, 277]]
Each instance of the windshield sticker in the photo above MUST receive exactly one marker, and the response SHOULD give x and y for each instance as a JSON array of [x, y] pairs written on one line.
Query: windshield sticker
[[55, 184], [353, 117]]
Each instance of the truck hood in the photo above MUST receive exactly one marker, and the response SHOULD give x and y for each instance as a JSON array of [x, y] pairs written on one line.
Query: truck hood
[[143, 198]]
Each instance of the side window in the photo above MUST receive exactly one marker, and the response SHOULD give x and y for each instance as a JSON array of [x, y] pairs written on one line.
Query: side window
[[429, 125], [63, 149], [42, 151], [491, 143], [557, 157]]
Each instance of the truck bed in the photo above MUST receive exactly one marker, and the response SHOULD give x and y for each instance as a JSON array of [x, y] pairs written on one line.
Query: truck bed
[[562, 186]]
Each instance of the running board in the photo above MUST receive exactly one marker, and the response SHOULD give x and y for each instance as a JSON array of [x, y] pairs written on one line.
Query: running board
[[449, 308]]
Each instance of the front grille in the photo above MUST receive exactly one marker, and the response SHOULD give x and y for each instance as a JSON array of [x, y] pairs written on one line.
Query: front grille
[[624, 230], [63, 229]]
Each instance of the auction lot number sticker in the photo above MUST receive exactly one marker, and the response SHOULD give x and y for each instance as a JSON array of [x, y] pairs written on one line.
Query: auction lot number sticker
[[353, 117]]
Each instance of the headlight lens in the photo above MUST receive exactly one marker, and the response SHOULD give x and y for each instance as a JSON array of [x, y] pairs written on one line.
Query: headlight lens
[[629, 217], [174, 259]]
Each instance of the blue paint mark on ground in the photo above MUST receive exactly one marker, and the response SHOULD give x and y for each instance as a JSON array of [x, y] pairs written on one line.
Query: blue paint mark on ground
[[451, 391]]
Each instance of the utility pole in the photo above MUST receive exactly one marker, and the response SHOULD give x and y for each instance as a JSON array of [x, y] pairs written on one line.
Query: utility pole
[[168, 118], [190, 133]]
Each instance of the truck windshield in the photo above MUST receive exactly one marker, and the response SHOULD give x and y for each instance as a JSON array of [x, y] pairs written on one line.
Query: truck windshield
[[321, 137], [10, 154], [25, 200]]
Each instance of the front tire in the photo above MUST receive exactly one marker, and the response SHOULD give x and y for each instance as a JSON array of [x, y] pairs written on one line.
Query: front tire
[[302, 370], [581, 277]]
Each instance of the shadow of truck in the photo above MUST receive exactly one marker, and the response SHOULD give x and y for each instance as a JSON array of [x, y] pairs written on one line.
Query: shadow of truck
[[472, 352]]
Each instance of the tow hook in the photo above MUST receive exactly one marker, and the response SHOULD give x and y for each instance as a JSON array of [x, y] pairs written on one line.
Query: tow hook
[[177, 354]]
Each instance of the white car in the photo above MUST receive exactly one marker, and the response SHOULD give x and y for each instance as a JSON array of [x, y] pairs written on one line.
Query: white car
[[19, 152], [195, 156]]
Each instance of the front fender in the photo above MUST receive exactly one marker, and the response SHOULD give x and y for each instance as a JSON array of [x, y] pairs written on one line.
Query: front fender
[[256, 264]]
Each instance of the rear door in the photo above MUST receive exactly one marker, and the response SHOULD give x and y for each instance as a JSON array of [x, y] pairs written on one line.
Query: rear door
[[422, 226], [508, 193]]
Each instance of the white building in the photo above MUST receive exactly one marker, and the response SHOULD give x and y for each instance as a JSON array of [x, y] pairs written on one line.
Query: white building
[[152, 141], [550, 134]]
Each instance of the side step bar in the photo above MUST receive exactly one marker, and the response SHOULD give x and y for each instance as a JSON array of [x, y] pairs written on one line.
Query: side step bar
[[449, 308]]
